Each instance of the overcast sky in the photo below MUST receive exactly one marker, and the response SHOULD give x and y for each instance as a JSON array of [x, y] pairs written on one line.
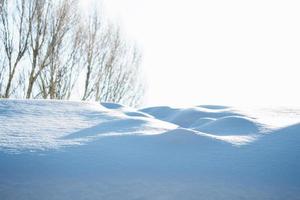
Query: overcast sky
[[216, 52]]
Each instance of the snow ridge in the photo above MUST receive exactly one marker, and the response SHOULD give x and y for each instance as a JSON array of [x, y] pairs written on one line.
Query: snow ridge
[[29, 125]]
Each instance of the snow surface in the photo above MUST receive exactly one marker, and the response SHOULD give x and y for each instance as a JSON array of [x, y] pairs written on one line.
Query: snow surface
[[85, 150]]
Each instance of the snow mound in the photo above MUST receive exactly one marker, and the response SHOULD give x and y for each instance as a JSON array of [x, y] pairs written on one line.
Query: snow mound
[[285, 139], [231, 125], [186, 117]]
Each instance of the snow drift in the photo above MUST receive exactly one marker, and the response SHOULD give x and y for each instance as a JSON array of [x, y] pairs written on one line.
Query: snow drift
[[84, 150], [230, 125]]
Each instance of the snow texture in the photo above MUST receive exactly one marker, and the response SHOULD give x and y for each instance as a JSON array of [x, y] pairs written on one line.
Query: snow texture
[[85, 150]]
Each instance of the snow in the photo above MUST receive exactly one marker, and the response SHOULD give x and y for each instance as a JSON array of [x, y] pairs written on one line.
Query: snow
[[42, 125], [231, 125], [86, 150]]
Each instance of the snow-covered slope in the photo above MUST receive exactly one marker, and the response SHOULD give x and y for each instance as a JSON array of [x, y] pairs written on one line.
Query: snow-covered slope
[[41, 125], [84, 150]]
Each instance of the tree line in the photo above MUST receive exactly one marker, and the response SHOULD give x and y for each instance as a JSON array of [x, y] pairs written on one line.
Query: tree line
[[50, 49]]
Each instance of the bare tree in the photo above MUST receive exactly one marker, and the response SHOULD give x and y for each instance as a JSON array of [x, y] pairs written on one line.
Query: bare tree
[[49, 48], [15, 43], [51, 24], [121, 81], [95, 43], [111, 65], [57, 77]]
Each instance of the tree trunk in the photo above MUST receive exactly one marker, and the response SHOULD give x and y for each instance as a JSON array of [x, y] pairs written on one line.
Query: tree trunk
[[30, 87], [7, 91]]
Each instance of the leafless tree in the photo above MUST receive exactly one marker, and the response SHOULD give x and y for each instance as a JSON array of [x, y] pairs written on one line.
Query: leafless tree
[[94, 47], [120, 79], [15, 31], [51, 25], [57, 77], [49, 48], [111, 65]]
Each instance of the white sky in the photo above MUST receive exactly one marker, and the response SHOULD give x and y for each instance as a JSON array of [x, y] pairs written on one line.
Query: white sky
[[231, 52]]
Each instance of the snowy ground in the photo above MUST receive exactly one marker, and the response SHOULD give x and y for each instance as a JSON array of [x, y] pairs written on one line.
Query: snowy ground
[[75, 150]]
